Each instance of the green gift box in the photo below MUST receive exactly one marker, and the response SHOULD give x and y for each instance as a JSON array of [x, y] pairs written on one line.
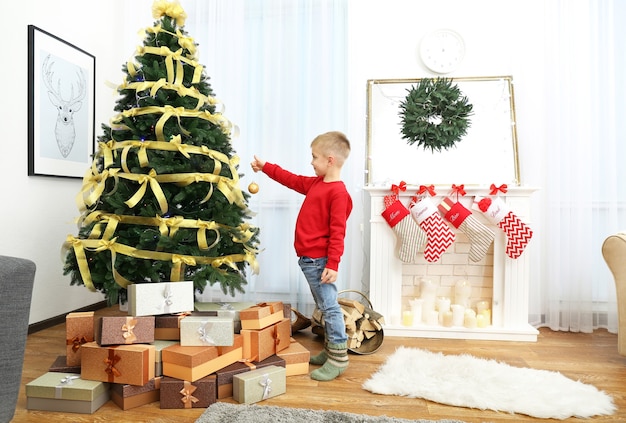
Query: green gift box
[[214, 331], [260, 384], [66, 392]]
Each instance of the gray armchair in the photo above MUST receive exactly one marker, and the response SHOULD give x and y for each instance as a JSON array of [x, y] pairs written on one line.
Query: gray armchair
[[17, 276]]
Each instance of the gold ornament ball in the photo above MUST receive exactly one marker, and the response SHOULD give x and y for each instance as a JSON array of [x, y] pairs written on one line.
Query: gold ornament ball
[[253, 188]]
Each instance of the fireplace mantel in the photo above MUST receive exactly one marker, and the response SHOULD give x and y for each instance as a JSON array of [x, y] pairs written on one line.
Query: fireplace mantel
[[510, 276]]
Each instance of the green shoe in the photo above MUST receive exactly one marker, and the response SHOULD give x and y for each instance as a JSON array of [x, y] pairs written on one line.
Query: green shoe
[[336, 363], [319, 359]]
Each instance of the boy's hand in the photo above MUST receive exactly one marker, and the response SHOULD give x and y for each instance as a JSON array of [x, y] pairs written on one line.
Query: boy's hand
[[329, 276], [257, 164]]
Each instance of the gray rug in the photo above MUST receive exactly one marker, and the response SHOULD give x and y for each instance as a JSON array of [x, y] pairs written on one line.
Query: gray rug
[[222, 412]]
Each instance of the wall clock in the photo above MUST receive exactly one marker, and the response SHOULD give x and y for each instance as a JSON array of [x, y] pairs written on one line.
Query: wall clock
[[442, 50]]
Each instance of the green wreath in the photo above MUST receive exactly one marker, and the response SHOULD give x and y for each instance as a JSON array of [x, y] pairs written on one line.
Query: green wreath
[[435, 114]]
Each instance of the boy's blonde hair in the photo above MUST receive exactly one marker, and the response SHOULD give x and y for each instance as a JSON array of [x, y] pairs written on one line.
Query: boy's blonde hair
[[334, 144]]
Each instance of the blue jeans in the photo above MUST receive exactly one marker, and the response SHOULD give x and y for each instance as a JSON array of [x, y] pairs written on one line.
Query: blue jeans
[[325, 296]]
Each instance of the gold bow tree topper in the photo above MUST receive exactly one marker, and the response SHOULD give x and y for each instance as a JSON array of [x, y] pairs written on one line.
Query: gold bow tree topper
[[161, 201]]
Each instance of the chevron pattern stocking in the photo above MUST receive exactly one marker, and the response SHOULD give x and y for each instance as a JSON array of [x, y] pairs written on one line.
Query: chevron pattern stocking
[[439, 235], [517, 232]]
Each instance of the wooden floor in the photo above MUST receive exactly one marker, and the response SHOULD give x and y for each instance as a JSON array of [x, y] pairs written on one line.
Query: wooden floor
[[590, 358]]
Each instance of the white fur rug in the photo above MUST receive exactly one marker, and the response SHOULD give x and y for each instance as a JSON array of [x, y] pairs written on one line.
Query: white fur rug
[[467, 381]]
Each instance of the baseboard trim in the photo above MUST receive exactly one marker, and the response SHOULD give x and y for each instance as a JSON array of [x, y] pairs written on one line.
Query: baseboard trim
[[53, 321]]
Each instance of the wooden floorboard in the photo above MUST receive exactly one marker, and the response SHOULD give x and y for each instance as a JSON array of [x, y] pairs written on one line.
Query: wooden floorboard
[[590, 358]]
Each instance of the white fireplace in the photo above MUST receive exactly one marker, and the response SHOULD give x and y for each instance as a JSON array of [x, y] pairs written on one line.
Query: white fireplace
[[507, 280]]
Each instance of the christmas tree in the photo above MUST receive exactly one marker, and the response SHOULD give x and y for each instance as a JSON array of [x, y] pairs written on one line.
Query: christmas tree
[[161, 201]]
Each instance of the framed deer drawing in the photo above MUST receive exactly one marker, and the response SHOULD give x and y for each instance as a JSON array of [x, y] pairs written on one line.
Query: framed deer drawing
[[61, 106]]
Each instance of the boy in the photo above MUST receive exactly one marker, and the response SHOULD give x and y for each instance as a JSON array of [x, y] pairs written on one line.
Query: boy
[[319, 239]]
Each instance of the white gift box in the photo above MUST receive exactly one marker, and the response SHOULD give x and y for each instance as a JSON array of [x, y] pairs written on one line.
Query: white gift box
[[147, 299], [196, 331]]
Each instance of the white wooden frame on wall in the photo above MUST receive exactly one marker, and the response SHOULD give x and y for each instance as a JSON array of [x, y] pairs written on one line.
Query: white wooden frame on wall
[[486, 154]]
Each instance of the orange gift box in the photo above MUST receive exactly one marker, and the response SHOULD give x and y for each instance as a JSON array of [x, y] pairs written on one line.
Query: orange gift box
[[79, 329], [193, 363], [296, 358], [261, 315], [260, 344], [125, 364]]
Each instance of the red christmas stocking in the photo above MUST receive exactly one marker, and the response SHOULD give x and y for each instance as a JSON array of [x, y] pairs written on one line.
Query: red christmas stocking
[[518, 234], [438, 233], [410, 236], [461, 218]]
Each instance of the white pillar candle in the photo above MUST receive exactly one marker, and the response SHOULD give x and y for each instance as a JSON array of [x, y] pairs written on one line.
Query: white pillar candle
[[446, 318], [428, 290], [469, 320], [481, 306], [416, 308], [481, 322], [443, 304], [458, 314], [487, 314], [428, 306], [462, 293], [407, 318], [433, 318]]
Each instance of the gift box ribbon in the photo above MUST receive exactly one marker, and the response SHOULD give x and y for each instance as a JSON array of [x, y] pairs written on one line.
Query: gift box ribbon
[[111, 361], [187, 398], [76, 342], [127, 328], [204, 332], [66, 381], [265, 383]]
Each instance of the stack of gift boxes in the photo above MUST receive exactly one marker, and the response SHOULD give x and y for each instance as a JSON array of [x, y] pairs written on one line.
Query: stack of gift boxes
[[164, 352]]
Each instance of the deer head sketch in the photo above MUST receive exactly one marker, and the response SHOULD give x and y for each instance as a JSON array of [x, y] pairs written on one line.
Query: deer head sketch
[[64, 130]]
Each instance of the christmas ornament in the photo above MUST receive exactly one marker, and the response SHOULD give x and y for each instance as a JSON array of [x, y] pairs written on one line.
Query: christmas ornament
[[439, 236], [461, 218], [410, 236], [435, 114], [253, 188], [497, 212]]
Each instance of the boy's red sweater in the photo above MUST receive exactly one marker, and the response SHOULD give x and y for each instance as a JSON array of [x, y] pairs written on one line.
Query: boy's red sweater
[[321, 224]]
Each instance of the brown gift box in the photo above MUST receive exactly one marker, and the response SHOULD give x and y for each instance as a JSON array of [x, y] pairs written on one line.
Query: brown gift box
[[131, 396], [176, 393], [60, 366], [261, 315], [117, 330], [79, 329], [167, 326], [125, 364], [260, 344], [225, 375], [296, 358]]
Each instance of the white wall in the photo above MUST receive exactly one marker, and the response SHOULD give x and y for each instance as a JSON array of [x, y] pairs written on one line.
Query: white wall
[[38, 212], [502, 38]]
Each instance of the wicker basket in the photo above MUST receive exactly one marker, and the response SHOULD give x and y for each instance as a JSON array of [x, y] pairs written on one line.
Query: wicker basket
[[368, 346]]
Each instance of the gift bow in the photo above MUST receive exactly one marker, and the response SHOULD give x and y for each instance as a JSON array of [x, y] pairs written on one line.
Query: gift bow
[[430, 189], [494, 189], [397, 188], [265, 383], [129, 335], [204, 332], [76, 342], [458, 190], [111, 362], [67, 380], [188, 399]]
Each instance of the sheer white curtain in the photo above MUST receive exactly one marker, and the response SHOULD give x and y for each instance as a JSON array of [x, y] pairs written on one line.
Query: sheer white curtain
[[279, 67], [584, 180]]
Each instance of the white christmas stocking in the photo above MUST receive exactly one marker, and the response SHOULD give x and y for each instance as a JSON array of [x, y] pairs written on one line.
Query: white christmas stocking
[[518, 234], [410, 236], [461, 218], [438, 233]]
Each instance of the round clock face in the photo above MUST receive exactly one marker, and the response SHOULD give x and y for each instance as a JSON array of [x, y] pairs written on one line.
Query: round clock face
[[442, 50]]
